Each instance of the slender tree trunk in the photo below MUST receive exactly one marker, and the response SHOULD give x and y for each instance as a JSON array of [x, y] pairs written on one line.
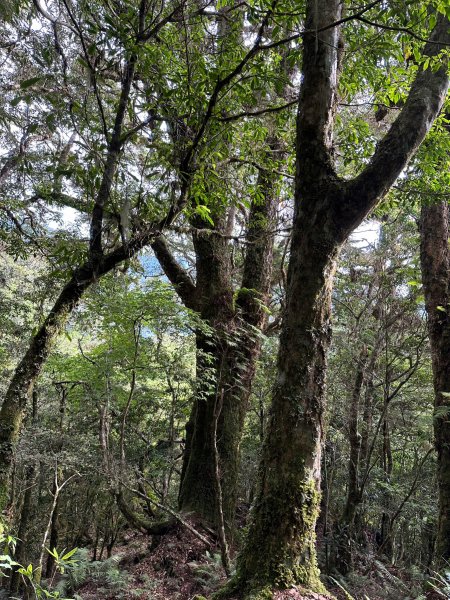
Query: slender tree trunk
[[53, 541], [21, 386], [345, 532], [386, 547], [354, 488], [435, 261]]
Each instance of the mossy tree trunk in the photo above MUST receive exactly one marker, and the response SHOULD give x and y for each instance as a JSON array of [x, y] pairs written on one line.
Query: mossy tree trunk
[[228, 351], [280, 547], [280, 550], [435, 262], [214, 294], [29, 368]]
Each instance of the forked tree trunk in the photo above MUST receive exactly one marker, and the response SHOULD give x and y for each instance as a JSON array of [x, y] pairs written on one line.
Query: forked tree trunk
[[435, 262], [226, 361], [227, 354], [280, 548], [214, 301]]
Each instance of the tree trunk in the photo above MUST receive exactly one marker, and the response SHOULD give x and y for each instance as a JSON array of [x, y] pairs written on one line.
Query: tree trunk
[[287, 504], [26, 516], [215, 303], [227, 354], [21, 386], [435, 262], [345, 531], [387, 548], [53, 542]]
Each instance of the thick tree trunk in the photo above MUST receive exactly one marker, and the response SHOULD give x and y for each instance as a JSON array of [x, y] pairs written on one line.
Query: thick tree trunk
[[227, 354], [236, 320], [435, 262], [214, 296], [280, 550]]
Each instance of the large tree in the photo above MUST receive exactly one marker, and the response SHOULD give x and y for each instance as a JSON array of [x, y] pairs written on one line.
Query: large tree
[[227, 352], [280, 547]]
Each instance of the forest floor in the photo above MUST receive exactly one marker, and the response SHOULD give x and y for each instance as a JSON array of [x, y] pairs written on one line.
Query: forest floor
[[179, 566]]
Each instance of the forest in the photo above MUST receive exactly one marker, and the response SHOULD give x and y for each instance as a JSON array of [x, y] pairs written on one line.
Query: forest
[[224, 299]]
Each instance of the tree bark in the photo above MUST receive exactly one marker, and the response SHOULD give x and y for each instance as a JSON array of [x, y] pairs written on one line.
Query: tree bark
[[435, 263]]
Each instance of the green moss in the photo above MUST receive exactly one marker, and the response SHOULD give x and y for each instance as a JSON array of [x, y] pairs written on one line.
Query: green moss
[[290, 563], [265, 593], [269, 563]]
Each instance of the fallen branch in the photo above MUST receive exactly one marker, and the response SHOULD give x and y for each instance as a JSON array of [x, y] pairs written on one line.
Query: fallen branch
[[173, 514]]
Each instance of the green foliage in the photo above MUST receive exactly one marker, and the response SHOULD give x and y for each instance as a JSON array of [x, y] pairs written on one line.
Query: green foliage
[[128, 356], [31, 576], [105, 574]]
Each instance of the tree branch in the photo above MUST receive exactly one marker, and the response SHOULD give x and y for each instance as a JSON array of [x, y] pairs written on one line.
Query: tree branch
[[179, 278], [425, 100]]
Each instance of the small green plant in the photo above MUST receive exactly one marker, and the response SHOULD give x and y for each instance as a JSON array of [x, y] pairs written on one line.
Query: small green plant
[[30, 575], [106, 575], [64, 561]]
